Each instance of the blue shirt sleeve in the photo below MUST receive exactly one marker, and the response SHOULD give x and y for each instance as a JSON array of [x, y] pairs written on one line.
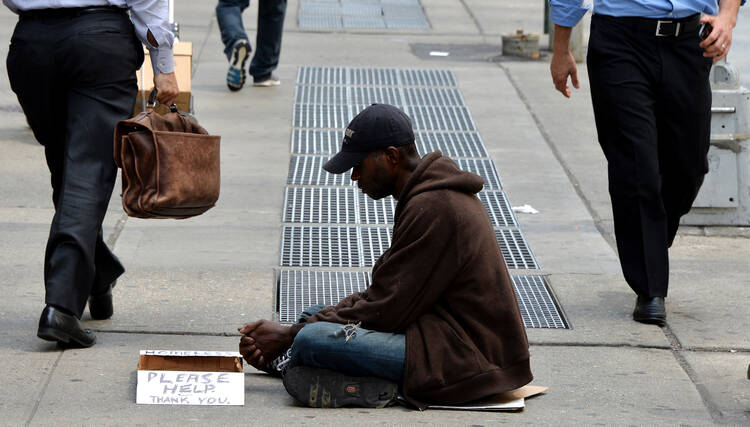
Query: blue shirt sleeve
[[567, 13]]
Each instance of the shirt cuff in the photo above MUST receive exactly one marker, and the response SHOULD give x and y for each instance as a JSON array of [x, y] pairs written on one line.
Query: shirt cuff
[[162, 60], [567, 16]]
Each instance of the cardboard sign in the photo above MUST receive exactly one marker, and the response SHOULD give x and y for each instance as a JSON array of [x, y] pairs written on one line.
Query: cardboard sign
[[169, 377]]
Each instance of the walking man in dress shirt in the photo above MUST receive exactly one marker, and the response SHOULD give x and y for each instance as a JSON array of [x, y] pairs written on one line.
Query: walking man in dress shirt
[[72, 64], [648, 69]]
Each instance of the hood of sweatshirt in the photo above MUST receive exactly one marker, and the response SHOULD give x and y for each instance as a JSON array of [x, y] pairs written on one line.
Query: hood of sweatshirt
[[437, 172]]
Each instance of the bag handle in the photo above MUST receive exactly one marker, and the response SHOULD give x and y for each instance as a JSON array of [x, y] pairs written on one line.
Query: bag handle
[[152, 102]]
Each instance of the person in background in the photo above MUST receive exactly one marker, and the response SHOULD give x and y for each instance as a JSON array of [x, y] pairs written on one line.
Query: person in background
[[237, 45], [72, 65], [648, 64]]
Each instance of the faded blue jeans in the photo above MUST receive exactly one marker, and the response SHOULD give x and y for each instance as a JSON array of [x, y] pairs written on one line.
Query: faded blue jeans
[[365, 353], [268, 38]]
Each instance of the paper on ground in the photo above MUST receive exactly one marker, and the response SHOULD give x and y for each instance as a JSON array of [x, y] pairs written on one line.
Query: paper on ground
[[527, 209]]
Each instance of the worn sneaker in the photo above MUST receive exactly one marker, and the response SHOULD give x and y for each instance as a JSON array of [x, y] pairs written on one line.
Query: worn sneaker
[[277, 365], [236, 72], [266, 81], [323, 388]]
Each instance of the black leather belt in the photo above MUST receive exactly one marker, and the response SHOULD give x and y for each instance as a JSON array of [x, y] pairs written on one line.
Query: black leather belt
[[68, 12], [662, 27]]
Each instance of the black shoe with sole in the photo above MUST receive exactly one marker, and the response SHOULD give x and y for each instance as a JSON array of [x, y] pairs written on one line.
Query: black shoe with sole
[[323, 388], [650, 310], [55, 325]]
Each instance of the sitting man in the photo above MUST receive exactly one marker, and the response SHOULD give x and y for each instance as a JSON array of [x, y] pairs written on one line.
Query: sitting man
[[439, 321]]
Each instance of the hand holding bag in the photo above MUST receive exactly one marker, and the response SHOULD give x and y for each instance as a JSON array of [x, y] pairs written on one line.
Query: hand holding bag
[[170, 164]]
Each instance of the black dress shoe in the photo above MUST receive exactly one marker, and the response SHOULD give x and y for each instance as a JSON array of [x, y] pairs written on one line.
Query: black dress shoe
[[100, 305], [54, 325], [650, 310]]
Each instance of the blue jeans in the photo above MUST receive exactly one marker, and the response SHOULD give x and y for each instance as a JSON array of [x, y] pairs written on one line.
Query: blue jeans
[[365, 353], [268, 38]]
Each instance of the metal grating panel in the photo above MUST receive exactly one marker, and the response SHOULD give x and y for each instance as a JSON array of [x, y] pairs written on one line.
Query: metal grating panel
[[313, 141], [376, 211], [451, 144], [375, 241], [308, 170], [311, 246], [319, 8], [322, 116], [436, 97], [427, 78], [538, 306], [484, 168], [330, 95], [300, 289], [360, 9], [406, 23], [398, 11], [440, 118], [320, 21], [369, 95], [369, 22], [320, 205], [321, 76], [375, 77], [498, 208], [515, 250]]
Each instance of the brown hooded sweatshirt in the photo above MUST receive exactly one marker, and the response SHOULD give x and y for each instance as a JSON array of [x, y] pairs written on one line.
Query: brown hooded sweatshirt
[[444, 284]]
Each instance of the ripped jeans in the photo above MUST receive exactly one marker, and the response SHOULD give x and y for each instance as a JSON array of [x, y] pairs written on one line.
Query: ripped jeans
[[364, 353]]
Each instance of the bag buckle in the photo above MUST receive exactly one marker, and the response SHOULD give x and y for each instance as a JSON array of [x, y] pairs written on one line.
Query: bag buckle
[[659, 29]]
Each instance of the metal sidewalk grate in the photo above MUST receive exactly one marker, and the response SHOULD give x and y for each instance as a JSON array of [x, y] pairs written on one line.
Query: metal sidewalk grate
[[515, 250], [306, 246], [322, 116], [406, 14], [308, 170], [320, 205], [440, 118], [498, 208], [361, 246], [433, 97], [539, 309], [315, 141], [375, 77], [329, 95], [484, 168], [378, 212], [451, 144], [300, 289]]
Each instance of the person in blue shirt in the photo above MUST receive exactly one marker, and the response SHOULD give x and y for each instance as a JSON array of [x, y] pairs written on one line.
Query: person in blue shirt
[[648, 69]]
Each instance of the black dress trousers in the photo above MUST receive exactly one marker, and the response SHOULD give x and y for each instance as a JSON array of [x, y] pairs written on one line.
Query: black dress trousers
[[652, 105], [74, 75]]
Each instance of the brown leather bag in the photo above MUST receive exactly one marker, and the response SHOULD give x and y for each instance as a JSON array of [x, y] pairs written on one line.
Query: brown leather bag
[[170, 165]]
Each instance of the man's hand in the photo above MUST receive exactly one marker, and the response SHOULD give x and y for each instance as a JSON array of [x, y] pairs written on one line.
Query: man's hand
[[166, 86], [263, 341], [563, 64], [717, 44]]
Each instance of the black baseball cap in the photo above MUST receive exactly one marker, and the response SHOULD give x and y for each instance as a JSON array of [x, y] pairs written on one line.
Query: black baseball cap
[[377, 126]]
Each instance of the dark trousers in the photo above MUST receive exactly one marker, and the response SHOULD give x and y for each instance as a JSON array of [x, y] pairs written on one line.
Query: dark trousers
[[74, 76], [268, 38], [652, 104]]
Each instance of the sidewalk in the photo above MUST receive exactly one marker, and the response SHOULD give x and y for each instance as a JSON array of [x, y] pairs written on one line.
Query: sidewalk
[[189, 284]]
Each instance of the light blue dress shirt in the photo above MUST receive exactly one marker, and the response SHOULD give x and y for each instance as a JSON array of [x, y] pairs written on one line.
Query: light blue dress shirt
[[145, 14], [567, 13]]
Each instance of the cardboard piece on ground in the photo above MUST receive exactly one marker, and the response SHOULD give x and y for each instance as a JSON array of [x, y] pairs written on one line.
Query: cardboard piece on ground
[[513, 400], [169, 377], [183, 70]]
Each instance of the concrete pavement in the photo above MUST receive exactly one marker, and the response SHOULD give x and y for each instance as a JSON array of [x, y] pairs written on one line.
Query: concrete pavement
[[190, 283]]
